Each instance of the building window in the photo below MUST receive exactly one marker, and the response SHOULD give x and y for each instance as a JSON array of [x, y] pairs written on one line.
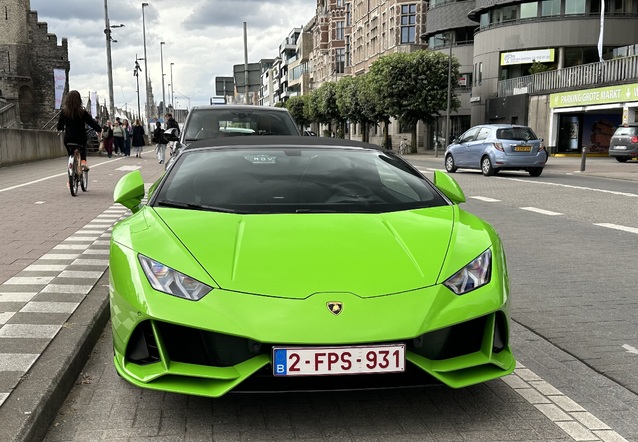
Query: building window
[[509, 13], [348, 15], [574, 7], [480, 73], [485, 20], [340, 61], [550, 8], [530, 10], [340, 30], [408, 23], [348, 61], [339, 3]]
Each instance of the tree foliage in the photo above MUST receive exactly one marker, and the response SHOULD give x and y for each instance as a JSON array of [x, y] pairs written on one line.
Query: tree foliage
[[297, 106]]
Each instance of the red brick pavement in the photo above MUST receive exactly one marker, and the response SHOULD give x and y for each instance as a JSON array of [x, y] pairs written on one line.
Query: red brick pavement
[[35, 217]]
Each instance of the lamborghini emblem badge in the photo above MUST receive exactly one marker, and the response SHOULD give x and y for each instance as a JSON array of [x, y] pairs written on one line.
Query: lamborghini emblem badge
[[335, 307]]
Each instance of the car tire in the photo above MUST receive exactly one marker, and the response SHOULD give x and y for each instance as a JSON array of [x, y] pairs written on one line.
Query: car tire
[[449, 164], [536, 171], [486, 166], [622, 159]]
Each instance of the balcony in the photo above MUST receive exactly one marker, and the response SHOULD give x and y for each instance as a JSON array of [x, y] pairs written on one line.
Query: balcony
[[617, 70]]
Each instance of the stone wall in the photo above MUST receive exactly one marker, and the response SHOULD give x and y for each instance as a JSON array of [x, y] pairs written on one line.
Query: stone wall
[[22, 146]]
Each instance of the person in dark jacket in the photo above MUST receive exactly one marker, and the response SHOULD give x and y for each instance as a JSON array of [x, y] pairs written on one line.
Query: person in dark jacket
[[73, 120], [138, 138], [158, 137], [107, 137], [171, 122]]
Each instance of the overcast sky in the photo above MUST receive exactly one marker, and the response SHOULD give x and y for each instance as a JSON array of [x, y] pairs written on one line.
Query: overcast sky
[[204, 39]]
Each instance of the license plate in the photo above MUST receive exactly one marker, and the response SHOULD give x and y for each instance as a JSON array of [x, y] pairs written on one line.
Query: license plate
[[620, 147], [522, 148], [312, 361]]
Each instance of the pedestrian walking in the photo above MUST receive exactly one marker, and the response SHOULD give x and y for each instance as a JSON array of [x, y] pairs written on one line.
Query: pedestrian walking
[[170, 124], [158, 137], [138, 138], [128, 134], [107, 137], [118, 138]]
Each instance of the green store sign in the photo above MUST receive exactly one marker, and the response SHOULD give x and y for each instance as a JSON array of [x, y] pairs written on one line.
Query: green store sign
[[600, 95]]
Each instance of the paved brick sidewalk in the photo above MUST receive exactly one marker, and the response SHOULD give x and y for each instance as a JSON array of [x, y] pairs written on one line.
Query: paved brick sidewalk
[[53, 251]]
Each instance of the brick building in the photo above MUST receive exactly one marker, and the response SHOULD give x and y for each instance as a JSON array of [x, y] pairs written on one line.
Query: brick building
[[28, 56]]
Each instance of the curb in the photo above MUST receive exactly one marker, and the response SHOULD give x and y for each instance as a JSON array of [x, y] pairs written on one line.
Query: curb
[[33, 405]]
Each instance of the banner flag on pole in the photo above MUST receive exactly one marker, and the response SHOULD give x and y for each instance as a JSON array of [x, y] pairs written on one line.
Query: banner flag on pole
[[60, 82]]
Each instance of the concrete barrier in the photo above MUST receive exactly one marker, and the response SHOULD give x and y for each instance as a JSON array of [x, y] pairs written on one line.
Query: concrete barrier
[[24, 145]]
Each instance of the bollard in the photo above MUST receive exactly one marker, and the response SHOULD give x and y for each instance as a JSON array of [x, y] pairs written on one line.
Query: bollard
[[583, 158]]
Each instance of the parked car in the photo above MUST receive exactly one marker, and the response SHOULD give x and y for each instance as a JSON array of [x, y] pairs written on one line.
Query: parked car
[[624, 143], [273, 261], [217, 121], [495, 147]]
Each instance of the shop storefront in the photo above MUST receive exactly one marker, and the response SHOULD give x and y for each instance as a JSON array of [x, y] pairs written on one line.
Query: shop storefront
[[589, 117]]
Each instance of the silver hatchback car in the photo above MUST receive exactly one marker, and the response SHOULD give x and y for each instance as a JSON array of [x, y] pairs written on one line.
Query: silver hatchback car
[[495, 147]]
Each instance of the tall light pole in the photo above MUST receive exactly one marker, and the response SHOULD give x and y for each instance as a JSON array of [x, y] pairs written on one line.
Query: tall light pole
[[109, 62], [163, 90], [147, 108], [136, 72], [172, 87], [447, 39]]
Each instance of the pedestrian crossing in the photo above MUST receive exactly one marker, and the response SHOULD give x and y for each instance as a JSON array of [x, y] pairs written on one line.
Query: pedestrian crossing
[[36, 303]]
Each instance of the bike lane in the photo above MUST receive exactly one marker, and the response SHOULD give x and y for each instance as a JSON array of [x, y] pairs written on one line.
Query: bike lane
[[53, 251]]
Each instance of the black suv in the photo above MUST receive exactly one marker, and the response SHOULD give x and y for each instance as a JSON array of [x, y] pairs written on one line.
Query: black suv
[[624, 143], [219, 121]]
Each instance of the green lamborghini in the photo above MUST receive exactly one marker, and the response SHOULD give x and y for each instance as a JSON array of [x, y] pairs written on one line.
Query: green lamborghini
[[303, 263]]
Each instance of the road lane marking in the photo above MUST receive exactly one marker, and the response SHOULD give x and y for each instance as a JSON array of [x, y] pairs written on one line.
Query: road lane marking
[[565, 413], [630, 349], [486, 199], [569, 186], [17, 186], [541, 211], [617, 227]]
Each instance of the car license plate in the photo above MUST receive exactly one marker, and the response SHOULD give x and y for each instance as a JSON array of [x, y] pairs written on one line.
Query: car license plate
[[522, 148], [620, 147], [310, 361]]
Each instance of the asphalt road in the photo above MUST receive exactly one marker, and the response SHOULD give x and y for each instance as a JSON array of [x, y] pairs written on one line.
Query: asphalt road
[[570, 239]]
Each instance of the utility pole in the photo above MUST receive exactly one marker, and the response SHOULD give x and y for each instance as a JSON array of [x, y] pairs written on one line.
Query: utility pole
[[147, 111], [109, 64], [163, 90]]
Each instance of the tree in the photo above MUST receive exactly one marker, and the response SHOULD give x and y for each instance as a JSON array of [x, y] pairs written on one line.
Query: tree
[[322, 106], [413, 86], [537, 67], [297, 106]]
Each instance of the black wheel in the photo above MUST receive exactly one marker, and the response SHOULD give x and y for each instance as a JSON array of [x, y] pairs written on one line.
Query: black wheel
[[72, 185], [486, 166], [536, 171], [449, 164], [84, 182], [622, 159]]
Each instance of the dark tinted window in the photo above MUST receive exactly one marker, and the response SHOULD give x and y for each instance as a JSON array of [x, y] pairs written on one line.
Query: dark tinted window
[[221, 122], [515, 133], [631, 131], [295, 180]]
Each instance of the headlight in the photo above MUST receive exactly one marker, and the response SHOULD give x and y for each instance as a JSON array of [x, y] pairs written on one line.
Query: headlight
[[472, 276], [167, 280]]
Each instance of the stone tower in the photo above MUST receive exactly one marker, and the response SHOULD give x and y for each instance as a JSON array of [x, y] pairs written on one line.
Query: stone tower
[[28, 55]]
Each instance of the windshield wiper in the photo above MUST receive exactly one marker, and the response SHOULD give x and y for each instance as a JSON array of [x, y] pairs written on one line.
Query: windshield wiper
[[192, 206]]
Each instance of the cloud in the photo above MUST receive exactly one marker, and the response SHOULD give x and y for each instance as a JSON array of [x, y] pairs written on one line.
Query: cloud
[[203, 39]]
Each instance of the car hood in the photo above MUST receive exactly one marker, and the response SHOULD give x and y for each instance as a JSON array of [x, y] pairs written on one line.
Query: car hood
[[297, 255]]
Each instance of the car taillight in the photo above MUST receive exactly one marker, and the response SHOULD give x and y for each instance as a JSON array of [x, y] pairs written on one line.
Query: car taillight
[[634, 139], [499, 146]]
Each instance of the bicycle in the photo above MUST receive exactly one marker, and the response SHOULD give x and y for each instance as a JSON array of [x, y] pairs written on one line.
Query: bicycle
[[77, 176]]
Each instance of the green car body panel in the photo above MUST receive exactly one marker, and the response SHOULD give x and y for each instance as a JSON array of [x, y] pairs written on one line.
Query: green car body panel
[[274, 274]]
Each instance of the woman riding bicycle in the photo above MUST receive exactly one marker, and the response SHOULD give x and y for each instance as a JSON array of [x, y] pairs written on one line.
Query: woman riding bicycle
[[72, 121]]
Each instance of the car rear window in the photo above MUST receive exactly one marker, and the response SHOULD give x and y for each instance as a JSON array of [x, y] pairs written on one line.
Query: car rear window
[[210, 123], [516, 133], [631, 131], [297, 180]]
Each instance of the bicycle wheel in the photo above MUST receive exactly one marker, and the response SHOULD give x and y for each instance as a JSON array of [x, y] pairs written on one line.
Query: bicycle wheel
[[73, 177], [84, 181]]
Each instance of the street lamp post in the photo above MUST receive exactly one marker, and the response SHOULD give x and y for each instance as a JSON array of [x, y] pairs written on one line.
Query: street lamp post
[[163, 90], [447, 39], [109, 62], [172, 87], [136, 72], [147, 108]]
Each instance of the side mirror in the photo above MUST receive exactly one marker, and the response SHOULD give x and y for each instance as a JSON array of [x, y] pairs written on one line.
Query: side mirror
[[172, 134], [448, 185], [129, 191]]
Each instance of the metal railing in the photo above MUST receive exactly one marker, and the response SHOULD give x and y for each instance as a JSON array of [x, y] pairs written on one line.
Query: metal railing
[[617, 70]]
